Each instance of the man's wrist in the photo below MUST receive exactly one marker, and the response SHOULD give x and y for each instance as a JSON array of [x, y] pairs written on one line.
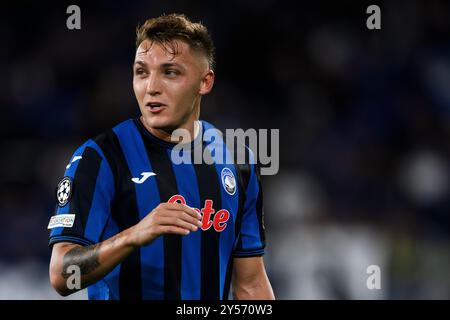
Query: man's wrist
[[129, 240]]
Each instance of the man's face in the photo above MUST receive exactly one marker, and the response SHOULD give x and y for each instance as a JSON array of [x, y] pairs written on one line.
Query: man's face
[[168, 87]]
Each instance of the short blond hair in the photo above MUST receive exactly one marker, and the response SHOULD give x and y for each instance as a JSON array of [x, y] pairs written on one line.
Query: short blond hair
[[166, 28]]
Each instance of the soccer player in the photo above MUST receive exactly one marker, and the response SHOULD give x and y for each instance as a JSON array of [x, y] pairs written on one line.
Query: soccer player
[[136, 224]]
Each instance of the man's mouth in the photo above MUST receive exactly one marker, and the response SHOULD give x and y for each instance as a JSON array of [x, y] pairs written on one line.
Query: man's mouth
[[155, 107]]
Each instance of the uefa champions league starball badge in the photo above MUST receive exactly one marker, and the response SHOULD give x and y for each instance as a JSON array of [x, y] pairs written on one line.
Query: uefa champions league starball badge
[[63, 191]]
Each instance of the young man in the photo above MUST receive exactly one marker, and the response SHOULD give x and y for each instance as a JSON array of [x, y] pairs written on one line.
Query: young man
[[136, 224]]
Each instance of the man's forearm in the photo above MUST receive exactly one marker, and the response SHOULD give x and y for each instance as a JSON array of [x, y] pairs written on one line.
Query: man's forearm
[[258, 290], [95, 261], [250, 280]]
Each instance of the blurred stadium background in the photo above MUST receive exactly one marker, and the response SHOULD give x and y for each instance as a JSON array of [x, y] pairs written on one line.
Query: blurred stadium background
[[364, 119]]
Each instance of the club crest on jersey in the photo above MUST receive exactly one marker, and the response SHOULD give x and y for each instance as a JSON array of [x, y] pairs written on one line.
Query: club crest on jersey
[[64, 191], [228, 181]]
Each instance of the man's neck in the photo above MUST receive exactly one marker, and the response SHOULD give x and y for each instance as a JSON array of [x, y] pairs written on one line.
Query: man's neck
[[192, 126]]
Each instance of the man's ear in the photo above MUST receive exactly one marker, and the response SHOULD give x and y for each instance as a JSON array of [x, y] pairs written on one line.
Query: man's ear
[[207, 83]]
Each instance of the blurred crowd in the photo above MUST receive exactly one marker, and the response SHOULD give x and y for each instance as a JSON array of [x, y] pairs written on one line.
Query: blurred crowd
[[364, 119]]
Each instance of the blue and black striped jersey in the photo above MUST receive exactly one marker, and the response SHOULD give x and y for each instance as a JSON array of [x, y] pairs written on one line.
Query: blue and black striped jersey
[[116, 179]]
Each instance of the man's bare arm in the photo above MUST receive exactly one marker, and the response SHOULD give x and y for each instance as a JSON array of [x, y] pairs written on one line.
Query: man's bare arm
[[94, 261], [250, 281], [97, 260]]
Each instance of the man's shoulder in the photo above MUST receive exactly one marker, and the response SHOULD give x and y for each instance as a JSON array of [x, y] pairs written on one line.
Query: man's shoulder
[[109, 137], [105, 141], [240, 154], [235, 142]]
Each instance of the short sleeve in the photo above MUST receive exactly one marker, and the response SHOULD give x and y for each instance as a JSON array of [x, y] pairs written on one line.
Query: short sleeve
[[83, 198], [251, 238]]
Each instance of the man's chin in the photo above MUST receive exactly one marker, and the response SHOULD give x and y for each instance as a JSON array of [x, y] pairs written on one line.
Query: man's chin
[[160, 123]]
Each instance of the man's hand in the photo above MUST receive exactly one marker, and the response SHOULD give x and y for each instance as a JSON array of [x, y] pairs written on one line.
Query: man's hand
[[166, 218]]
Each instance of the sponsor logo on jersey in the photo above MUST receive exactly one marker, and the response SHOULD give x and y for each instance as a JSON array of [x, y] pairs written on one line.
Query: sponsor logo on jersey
[[218, 222], [61, 220]]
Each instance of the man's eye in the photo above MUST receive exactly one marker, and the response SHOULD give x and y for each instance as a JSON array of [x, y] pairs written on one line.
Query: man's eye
[[140, 71], [171, 72]]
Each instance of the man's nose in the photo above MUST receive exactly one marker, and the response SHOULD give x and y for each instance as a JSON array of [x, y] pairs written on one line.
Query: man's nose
[[153, 85]]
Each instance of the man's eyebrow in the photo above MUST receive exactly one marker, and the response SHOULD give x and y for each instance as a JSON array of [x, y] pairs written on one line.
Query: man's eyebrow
[[163, 65], [171, 64], [140, 62]]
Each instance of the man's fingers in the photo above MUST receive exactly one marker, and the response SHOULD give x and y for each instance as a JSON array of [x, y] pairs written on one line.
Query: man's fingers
[[182, 207], [186, 217], [174, 230], [176, 221]]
